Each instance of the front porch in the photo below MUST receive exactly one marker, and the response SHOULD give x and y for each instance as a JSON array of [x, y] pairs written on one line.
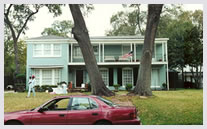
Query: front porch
[[113, 75]]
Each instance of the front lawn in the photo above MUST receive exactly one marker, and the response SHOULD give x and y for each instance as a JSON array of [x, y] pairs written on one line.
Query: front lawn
[[180, 107]]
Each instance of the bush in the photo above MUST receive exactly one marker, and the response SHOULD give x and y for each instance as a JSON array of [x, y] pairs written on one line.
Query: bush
[[116, 86], [43, 88], [128, 87], [164, 85], [20, 78]]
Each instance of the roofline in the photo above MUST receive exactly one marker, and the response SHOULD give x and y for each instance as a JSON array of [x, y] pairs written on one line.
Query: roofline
[[93, 40]]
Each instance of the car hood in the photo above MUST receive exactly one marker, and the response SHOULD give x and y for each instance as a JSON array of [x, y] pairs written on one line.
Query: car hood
[[16, 112]]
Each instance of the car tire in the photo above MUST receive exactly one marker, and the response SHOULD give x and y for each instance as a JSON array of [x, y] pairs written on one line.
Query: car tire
[[13, 123], [103, 123]]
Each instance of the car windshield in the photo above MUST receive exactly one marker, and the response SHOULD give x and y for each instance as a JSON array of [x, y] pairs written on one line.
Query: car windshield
[[107, 102]]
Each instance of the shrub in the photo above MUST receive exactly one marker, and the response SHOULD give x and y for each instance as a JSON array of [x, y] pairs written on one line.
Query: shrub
[[43, 88], [164, 85], [116, 86], [128, 87]]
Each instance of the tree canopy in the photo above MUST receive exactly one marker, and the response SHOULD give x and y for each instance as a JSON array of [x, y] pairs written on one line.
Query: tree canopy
[[59, 28], [16, 18]]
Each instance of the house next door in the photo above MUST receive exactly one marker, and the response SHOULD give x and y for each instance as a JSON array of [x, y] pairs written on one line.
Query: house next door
[[79, 78]]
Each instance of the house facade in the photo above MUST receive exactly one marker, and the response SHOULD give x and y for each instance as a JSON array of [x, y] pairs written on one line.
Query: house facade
[[54, 59]]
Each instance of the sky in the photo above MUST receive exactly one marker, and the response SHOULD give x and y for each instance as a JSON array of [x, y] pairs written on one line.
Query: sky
[[97, 22]]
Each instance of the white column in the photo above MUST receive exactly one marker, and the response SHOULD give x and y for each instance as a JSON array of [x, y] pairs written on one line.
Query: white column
[[103, 52], [167, 65], [135, 54], [71, 53], [131, 50], [163, 52], [99, 52]]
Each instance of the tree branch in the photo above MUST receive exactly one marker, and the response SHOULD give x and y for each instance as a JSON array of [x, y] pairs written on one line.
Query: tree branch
[[20, 31], [7, 13]]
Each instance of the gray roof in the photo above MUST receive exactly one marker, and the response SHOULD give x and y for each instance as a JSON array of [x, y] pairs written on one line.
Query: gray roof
[[53, 37], [48, 37]]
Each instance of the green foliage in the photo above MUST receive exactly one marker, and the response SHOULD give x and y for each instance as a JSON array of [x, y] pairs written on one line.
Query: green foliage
[[9, 64], [43, 88], [16, 17], [126, 23], [164, 85], [21, 76], [59, 28], [116, 85], [128, 87]]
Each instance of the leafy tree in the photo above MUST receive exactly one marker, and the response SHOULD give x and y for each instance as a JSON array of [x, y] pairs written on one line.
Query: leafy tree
[[59, 28], [143, 84], [16, 18], [82, 37], [128, 23], [194, 47]]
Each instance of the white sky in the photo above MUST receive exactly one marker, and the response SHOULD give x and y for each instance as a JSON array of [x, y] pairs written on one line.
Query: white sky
[[97, 22]]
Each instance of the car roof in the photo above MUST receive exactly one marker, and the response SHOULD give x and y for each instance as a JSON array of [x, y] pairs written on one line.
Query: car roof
[[72, 96]]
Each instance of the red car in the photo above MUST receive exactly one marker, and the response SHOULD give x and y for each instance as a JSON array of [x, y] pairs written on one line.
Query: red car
[[75, 110]]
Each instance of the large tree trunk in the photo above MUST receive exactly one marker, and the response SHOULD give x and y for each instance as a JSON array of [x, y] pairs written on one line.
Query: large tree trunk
[[143, 84], [81, 35]]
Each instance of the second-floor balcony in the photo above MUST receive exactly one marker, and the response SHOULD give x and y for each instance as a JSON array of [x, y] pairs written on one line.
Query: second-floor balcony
[[118, 53]]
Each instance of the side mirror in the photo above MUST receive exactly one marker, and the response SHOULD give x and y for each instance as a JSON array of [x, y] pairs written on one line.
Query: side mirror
[[41, 110]]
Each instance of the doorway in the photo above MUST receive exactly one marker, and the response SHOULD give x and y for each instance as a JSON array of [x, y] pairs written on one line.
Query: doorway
[[79, 78]]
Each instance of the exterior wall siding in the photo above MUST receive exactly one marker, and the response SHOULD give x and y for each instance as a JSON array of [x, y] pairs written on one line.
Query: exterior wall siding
[[63, 60], [68, 71]]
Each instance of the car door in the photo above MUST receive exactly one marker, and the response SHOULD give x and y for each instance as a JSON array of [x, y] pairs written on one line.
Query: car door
[[83, 111], [55, 113]]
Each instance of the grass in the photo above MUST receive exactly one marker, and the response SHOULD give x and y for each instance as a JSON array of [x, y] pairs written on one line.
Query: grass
[[180, 107]]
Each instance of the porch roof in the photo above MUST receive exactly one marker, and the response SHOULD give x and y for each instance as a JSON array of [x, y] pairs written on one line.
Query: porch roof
[[45, 66]]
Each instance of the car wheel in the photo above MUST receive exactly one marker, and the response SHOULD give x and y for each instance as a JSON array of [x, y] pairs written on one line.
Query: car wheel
[[103, 123], [13, 123]]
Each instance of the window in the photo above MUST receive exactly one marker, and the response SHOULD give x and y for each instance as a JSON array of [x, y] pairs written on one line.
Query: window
[[95, 49], [105, 76], [155, 77], [58, 104], [127, 76], [93, 104], [47, 76], [107, 102], [77, 52], [80, 104], [47, 50], [57, 76], [125, 49], [56, 50], [37, 49], [37, 76]]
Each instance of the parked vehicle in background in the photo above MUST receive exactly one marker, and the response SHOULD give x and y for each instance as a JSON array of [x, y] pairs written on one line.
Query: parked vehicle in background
[[75, 110]]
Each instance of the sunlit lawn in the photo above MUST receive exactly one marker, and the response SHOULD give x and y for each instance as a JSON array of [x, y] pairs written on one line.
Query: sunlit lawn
[[180, 107]]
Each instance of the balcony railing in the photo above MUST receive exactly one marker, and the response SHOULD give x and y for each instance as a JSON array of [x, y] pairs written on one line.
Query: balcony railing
[[117, 57]]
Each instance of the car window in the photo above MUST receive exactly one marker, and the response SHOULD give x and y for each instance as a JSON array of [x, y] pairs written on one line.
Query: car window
[[93, 104], [107, 102], [57, 104], [80, 103]]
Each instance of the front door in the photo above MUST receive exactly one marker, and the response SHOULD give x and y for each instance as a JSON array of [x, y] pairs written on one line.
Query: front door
[[79, 78]]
